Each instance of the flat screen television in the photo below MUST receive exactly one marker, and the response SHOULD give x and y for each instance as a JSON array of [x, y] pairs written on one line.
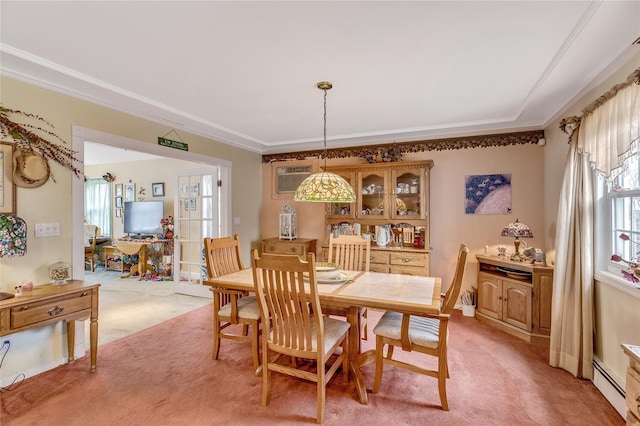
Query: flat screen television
[[143, 217]]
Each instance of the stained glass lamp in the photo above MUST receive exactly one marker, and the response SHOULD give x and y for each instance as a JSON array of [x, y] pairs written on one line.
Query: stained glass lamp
[[325, 187], [517, 230]]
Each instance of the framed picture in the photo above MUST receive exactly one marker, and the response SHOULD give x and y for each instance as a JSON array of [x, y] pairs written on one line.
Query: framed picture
[[118, 204], [118, 190], [129, 192], [119, 212], [488, 194], [7, 187], [157, 189], [190, 205]]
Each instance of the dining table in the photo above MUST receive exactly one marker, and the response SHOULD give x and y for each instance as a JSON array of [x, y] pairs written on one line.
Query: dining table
[[415, 295]]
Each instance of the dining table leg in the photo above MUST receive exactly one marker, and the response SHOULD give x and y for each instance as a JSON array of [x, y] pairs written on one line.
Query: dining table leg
[[354, 354]]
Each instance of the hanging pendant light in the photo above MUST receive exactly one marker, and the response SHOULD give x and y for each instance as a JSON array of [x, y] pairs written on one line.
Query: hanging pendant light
[[325, 187]]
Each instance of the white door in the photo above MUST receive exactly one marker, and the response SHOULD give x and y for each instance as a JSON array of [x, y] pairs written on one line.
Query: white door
[[197, 216]]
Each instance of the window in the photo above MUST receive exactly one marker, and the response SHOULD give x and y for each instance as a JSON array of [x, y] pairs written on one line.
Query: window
[[620, 214], [97, 204]]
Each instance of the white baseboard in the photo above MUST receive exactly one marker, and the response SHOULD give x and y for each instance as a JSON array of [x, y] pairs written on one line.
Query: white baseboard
[[6, 382], [609, 388]]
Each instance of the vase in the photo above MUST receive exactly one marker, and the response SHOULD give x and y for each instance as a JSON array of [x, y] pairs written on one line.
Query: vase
[[168, 235]]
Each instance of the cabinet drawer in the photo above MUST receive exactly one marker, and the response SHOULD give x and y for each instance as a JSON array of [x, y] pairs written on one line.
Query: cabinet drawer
[[37, 312], [633, 392], [408, 259], [407, 270], [374, 267], [379, 257], [284, 248]]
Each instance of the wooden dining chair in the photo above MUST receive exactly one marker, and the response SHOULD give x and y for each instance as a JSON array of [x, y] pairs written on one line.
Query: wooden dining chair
[[229, 306], [352, 253], [297, 329], [426, 334], [91, 236]]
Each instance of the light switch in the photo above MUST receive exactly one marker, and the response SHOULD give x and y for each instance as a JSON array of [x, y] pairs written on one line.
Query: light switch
[[47, 230], [236, 221]]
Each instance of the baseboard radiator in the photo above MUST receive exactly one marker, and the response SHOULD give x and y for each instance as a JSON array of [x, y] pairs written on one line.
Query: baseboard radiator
[[609, 387]]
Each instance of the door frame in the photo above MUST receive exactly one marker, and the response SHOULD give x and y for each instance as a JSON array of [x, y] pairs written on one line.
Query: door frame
[[80, 135]]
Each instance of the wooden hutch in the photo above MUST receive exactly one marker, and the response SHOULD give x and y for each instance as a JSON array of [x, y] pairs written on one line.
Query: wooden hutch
[[395, 194]]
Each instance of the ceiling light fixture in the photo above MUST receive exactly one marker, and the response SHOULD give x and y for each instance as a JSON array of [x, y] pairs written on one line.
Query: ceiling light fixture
[[325, 187]]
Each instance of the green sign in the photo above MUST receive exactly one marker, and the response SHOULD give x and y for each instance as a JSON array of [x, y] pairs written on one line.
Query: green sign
[[173, 144]]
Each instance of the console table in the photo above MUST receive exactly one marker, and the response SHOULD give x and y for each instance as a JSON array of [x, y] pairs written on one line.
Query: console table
[[49, 303]]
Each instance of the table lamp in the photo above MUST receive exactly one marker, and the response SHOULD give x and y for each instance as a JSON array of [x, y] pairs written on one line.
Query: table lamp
[[518, 230]]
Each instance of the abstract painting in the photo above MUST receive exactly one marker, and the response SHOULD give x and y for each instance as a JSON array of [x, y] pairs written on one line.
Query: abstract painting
[[488, 194]]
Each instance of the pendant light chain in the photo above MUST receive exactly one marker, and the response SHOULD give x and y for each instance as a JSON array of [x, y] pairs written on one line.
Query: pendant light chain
[[325, 129]]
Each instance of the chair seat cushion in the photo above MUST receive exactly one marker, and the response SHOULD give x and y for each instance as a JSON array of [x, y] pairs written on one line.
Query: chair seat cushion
[[422, 331], [247, 308], [334, 329]]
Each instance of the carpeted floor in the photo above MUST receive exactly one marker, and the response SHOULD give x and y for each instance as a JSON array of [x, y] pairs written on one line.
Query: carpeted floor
[[164, 375]]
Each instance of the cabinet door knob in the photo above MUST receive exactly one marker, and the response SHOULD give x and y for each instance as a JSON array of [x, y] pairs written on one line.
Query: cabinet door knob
[[271, 248], [638, 403], [406, 259], [293, 249]]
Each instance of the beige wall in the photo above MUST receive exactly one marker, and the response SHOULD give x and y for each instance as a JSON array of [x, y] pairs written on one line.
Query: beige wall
[[37, 350], [617, 314], [450, 226]]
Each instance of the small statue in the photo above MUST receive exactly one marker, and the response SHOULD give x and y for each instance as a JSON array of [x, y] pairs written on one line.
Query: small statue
[[534, 254]]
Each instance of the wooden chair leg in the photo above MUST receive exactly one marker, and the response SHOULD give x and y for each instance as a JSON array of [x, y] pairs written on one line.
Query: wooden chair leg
[[365, 326], [379, 361], [266, 379], [216, 338], [254, 344], [442, 380], [321, 393]]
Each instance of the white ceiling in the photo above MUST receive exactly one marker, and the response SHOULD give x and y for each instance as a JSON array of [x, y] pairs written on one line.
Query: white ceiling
[[245, 73]]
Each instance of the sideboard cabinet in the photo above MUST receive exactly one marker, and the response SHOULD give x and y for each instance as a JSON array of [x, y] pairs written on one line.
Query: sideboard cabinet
[[515, 296]]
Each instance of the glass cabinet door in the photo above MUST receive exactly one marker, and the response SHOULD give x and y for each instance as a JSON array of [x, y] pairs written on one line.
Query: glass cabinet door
[[408, 199], [373, 201], [343, 210]]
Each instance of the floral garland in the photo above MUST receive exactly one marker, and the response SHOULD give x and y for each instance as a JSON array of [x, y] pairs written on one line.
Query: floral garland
[[26, 139]]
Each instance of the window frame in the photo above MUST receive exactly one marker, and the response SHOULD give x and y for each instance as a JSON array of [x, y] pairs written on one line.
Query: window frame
[[607, 271]]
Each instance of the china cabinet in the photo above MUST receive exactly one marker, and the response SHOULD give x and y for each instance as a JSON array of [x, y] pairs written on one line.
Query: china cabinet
[[396, 195], [515, 296]]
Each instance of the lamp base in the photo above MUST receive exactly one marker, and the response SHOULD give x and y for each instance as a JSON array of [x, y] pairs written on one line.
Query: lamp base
[[516, 254]]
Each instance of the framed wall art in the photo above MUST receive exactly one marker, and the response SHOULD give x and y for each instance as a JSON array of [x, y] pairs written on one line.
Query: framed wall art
[[488, 194], [118, 203], [157, 189], [7, 187], [129, 192], [118, 190]]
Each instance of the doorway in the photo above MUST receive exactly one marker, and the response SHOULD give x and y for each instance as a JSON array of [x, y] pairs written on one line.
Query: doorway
[[82, 135]]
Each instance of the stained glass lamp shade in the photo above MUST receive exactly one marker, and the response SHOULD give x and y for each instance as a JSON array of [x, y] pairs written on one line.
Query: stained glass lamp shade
[[517, 230]]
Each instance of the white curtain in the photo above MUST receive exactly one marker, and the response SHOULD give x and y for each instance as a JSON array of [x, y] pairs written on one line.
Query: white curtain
[[605, 135], [609, 132], [571, 346], [97, 204]]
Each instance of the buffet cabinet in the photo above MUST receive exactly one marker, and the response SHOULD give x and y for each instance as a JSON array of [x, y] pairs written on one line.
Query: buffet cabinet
[[515, 296], [299, 246]]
